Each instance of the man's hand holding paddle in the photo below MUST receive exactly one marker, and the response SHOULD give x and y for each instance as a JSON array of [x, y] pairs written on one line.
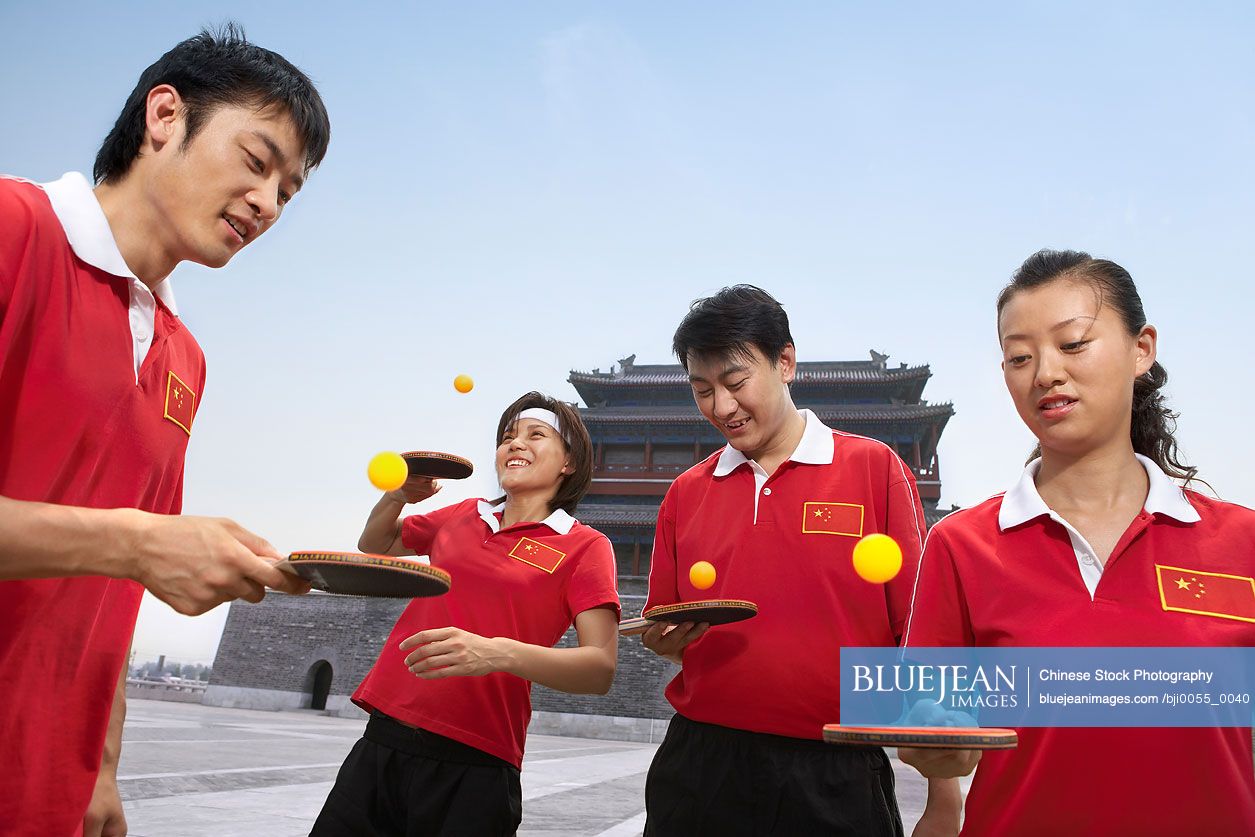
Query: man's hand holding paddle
[[669, 641], [192, 564], [195, 564]]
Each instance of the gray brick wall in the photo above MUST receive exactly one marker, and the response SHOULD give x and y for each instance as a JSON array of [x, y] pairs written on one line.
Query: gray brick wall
[[275, 645], [638, 682]]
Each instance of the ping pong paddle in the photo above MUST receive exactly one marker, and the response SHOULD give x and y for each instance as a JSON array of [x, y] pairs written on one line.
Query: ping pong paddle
[[356, 574], [430, 463], [942, 738], [710, 611]]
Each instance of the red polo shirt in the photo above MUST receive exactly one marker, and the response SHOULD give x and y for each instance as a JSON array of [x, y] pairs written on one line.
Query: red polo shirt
[[1010, 572], [784, 542], [526, 582], [80, 425]]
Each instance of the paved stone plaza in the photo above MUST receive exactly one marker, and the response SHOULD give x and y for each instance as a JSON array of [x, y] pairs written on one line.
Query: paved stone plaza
[[189, 770]]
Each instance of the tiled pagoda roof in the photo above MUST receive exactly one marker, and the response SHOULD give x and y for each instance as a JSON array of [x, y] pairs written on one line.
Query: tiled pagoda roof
[[822, 372], [613, 514], [830, 414]]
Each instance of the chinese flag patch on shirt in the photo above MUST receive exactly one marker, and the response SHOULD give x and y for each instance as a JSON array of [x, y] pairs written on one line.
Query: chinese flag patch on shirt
[[1206, 594], [833, 519], [537, 554], [180, 402]]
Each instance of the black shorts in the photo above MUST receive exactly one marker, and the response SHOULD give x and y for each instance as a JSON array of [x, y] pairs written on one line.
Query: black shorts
[[714, 780], [410, 782]]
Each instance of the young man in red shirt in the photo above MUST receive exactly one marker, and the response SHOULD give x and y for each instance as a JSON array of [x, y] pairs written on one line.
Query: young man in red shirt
[[777, 512], [99, 387]]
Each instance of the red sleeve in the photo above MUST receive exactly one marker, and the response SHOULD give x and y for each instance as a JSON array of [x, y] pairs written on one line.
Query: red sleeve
[[17, 225], [939, 615], [419, 530], [593, 583], [904, 522], [663, 588]]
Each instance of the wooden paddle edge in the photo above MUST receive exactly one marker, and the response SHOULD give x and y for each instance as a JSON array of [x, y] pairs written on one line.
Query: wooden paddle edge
[[925, 738], [657, 611], [437, 581], [640, 624], [451, 458]]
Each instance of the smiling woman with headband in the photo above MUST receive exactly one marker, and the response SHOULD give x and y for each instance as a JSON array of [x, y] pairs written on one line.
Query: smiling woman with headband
[[449, 696]]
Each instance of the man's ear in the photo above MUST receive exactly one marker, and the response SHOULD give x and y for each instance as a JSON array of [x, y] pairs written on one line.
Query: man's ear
[[787, 364], [163, 115]]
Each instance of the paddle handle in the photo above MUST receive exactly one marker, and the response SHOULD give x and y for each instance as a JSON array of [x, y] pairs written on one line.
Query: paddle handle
[[286, 566], [634, 627]]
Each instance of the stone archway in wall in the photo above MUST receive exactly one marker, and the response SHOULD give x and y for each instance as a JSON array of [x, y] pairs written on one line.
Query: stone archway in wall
[[318, 684]]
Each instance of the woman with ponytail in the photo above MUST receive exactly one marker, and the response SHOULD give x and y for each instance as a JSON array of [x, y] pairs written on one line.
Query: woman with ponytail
[[1077, 553]]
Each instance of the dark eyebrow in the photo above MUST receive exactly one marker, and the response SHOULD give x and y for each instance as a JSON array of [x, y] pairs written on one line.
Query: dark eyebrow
[[1054, 327], [730, 370], [533, 425], [298, 181]]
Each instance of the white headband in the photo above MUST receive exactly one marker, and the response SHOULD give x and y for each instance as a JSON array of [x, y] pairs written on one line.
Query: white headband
[[547, 416]]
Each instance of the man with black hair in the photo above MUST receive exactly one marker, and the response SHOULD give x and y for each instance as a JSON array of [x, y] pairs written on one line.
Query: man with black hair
[[99, 388], [777, 512]]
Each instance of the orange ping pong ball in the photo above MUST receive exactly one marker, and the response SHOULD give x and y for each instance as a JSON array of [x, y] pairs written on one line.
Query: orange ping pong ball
[[387, 471], [877, 558], [463, 384], [702, 575]]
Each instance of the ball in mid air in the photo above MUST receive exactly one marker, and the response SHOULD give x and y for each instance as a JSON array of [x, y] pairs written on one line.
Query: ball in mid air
[[877, 558], [702, 575], [387, 471]]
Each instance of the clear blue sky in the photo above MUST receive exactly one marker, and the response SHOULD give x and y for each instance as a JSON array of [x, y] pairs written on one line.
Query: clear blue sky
[[517, 189]]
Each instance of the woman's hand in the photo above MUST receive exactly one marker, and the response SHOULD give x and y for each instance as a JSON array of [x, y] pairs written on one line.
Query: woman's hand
[[940, 764], [453, 652], [415, 490]]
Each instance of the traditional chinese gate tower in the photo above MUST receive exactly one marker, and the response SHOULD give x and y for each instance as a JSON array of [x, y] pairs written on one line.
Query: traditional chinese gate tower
[[646, 430]]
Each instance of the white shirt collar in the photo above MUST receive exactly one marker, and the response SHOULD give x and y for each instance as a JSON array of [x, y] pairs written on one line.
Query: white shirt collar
[[1023, 503], [558, 520], [88, 232], [815, 448]]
